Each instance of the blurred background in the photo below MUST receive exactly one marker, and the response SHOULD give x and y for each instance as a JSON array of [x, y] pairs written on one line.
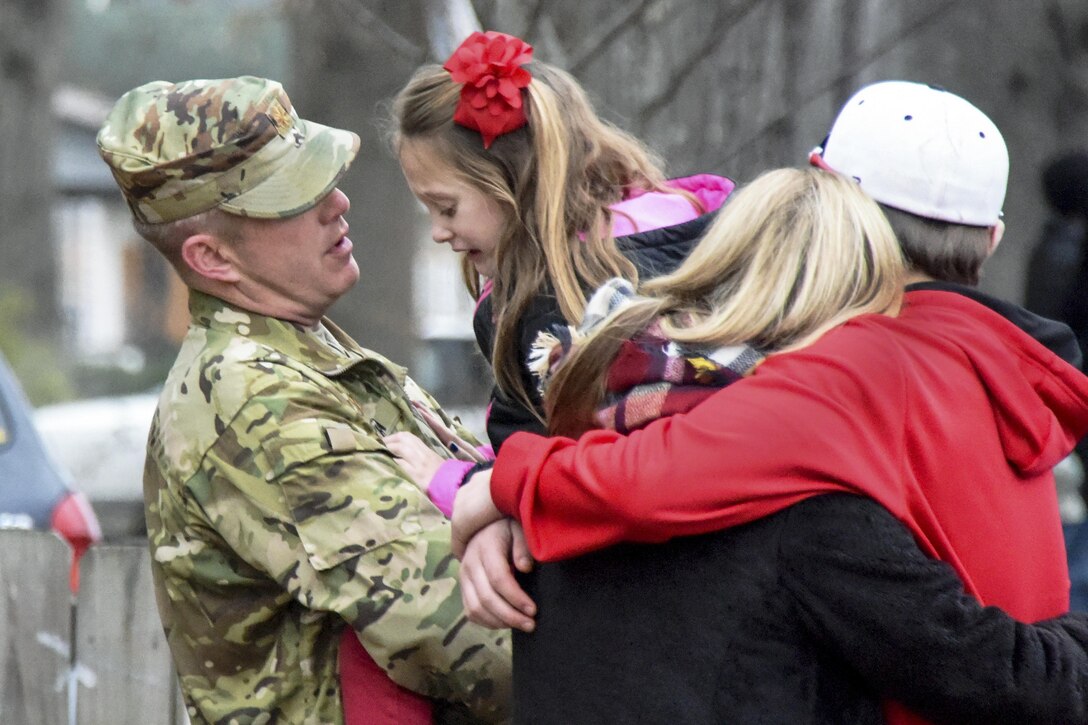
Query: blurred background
[[90, 317]]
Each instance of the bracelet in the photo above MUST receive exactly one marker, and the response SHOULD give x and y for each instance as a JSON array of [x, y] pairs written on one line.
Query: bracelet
[[482, 466]]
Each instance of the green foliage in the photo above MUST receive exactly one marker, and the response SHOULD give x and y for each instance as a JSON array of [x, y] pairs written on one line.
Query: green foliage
[[36, 358], [94, 381], [49, 375]]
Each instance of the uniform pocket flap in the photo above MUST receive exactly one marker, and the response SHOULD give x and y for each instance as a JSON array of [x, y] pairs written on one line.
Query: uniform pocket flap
[[342, 491]]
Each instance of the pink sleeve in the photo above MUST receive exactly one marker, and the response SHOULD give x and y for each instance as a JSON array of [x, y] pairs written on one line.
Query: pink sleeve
[[448, 478], [650, 210]]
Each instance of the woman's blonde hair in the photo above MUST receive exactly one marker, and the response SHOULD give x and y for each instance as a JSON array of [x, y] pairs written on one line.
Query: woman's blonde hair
[[793, 253], [555, 177]]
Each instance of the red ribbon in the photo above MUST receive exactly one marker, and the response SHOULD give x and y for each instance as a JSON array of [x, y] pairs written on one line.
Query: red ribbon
[[488, 67]]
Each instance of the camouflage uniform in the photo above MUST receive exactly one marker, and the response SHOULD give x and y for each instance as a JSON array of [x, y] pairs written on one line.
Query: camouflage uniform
[[276, 517]]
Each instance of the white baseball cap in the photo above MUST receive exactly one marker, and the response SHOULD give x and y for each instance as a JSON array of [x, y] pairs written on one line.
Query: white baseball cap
[[922, 150]]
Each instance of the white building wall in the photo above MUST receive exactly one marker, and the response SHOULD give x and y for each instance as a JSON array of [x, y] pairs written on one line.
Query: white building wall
[[443, 306], [92, 288]]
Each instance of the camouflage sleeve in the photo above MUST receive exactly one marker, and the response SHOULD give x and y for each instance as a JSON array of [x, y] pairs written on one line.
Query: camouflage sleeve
[[320, 506]]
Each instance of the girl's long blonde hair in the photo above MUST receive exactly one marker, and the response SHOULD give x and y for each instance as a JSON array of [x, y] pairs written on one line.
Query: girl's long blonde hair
[[555, 177], [795, 252]]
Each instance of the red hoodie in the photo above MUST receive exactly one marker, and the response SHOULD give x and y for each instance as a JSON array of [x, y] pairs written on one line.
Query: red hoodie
[[949, 415]]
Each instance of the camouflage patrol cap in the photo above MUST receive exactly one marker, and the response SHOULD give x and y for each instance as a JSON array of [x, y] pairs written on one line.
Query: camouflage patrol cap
[[177, 150]]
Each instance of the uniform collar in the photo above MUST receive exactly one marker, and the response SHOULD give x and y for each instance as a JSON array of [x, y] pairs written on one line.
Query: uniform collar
[[293, 341]]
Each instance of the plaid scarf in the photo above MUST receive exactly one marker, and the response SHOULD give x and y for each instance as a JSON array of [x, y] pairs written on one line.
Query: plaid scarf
[[652, 376]]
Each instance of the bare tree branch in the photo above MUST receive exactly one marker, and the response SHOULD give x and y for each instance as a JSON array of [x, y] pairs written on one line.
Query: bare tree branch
[[448, 23], [365, 26], [723, 18], [1058, 24], [610, 29], [847, 73], [535, 17]]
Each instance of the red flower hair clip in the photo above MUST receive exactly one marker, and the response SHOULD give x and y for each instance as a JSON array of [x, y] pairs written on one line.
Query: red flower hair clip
[[488, 67]]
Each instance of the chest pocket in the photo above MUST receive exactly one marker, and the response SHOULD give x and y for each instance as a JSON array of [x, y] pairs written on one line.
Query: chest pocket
[[383, 417], [342, 492], [375, 396], [385, 407]]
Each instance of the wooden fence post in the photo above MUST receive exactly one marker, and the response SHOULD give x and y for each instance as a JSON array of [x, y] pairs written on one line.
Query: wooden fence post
[[127, 675], [35, 619]]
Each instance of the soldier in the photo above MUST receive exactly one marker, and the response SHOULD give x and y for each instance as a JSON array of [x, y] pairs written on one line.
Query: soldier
[[279, 524]]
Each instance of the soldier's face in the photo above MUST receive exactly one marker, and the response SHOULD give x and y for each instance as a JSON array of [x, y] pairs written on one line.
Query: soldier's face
[[299, 265]]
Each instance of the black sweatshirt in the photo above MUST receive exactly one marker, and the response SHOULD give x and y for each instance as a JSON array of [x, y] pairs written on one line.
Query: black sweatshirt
[[811, 615]]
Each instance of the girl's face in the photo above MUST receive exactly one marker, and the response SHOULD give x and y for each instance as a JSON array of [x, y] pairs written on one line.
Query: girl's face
[[461, 215]]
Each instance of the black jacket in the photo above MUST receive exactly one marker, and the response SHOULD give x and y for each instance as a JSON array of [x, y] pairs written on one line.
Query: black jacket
[[809, 616], [653, 253], [1057, 336], [1057, 273]]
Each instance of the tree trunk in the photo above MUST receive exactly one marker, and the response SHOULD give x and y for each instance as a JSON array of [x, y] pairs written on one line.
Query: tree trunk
[[349, 60], [28, 73], [352, 61], [448, 23]]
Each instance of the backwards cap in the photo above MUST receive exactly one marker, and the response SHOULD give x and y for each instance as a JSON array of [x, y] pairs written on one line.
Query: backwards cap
[[177, 150], [922, 150]]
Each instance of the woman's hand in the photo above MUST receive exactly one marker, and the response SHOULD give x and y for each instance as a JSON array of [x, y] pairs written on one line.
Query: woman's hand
[[473, 509], [413, 455], [489, 591]]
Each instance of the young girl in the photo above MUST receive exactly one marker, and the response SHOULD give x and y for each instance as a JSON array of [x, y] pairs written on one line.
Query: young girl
[[544, 200]]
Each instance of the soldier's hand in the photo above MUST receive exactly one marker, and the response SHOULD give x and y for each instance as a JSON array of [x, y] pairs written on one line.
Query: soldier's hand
[[489, 591], [413, 455]]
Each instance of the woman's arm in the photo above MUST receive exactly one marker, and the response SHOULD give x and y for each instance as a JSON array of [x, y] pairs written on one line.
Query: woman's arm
[[805, 423]]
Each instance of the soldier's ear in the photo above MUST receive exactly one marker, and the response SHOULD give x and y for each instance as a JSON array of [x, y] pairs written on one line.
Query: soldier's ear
[[207, 256]]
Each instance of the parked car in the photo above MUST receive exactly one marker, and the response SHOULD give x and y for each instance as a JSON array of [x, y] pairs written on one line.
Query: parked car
[[101, 441], [36, 492]]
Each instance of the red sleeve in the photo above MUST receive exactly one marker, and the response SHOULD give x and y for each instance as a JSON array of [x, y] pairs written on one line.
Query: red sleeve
[[826, 418]]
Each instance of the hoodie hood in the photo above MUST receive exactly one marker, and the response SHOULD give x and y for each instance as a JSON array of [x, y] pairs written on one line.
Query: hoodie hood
[[1057, 336], [1039, 401]]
